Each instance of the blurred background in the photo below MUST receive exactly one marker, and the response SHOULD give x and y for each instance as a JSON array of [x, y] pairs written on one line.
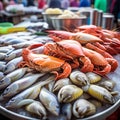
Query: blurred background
[[16, 11]]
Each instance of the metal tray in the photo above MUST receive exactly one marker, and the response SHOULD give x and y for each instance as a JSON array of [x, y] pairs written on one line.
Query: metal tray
[[101, 114]]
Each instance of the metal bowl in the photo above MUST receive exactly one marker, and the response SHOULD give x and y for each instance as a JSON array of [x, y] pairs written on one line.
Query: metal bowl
[[68, 24], [47, 18]]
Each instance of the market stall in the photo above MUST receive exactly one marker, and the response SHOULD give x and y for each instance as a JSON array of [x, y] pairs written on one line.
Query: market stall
[[52, 85]]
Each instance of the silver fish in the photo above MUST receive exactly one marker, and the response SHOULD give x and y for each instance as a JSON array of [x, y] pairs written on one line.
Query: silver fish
[[23, 44], [14, 41], [11, 77], [4, 39], [1, 75], [30, 93], [2, 56], [21, 84], [6, 49], [49, 100], [12, 65], [2, 67], [14, 54], [2, 62]]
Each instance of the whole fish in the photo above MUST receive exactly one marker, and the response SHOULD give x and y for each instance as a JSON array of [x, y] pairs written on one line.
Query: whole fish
[[14, 41], [3, 39], [23, 44], [12, 65], [30, 93], [11, 77], [21, 84], [6, 49], [49, 100], [13, 54]]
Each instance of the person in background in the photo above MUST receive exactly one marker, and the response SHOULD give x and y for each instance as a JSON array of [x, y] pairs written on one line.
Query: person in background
[[12, 2], [74, 3], [41, 4], [1, 5], [101, 5], [54, 4], [85, 3], [92, 3], [30, 3], [109, 3], [65, 4], [24, 2], [115, 10]]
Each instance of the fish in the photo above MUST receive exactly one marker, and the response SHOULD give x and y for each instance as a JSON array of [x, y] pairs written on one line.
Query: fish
[[2, 56], [6, 49], [1, 75], [2, 67], [23, 44], [11, 77], [13, 54], [21, 84], [14, 41], [29, 93], [49, 100], [12, 65]]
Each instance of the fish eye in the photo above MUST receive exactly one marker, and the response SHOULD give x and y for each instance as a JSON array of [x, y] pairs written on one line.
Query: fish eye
[[7, 89], [1, 81], [12, 100]]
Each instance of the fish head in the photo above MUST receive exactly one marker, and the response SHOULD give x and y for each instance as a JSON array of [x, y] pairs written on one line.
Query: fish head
[[13, 102], [9, 68], [10, 90], [4, 82]]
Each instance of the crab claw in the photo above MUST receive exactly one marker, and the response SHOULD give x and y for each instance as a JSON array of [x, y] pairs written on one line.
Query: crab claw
[[113, 63], [66, 70], [88, 66], [106, 70]]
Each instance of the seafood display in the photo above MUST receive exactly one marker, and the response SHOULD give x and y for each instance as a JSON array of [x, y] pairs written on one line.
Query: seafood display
[[61, 78]]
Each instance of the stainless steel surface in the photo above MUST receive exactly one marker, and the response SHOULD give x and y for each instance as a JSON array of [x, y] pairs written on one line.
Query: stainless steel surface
[[47, 18], [107, 21], [68, 24]]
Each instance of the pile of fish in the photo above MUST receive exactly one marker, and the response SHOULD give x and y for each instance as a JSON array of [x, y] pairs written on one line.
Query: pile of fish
[[39, 95]]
